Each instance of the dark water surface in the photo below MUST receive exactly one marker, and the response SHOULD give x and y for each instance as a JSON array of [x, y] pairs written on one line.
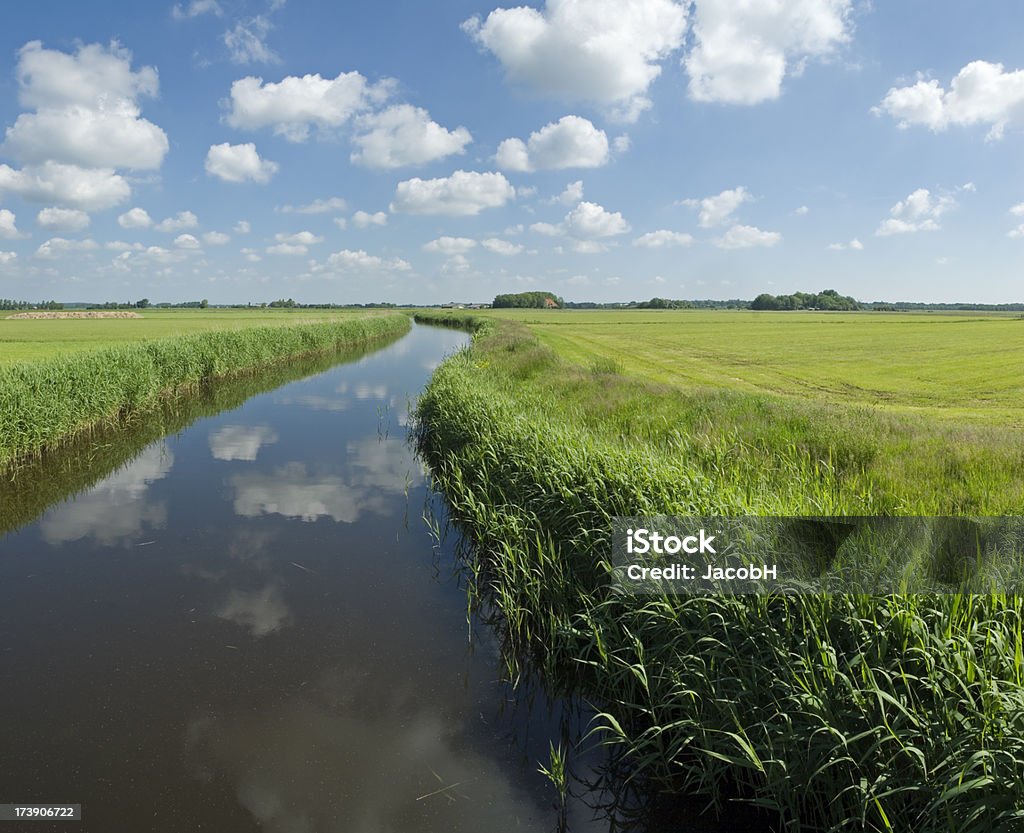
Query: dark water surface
[[247, 627]]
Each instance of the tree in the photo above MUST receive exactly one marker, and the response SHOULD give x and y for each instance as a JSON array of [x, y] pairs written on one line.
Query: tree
[[204, 304]]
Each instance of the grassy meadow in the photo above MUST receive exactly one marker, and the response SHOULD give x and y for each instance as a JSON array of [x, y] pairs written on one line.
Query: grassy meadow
[[24, 340], [964, 367], [833, 711]]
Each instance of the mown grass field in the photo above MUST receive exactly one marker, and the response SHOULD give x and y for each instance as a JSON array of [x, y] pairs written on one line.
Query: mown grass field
[[30, 340], [960, 367]]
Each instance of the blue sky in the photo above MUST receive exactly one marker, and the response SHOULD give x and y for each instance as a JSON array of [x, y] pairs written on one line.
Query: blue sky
[[423, 152]]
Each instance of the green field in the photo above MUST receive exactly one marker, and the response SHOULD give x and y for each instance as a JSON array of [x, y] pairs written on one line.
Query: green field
[[34, 339], [965, 367]]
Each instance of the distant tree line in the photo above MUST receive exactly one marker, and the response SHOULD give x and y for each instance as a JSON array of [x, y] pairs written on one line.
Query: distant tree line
[[828, 299], [8, 304], [527, 300]]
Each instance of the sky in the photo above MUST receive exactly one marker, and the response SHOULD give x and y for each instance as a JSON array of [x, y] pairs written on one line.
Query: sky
[[605, 150]]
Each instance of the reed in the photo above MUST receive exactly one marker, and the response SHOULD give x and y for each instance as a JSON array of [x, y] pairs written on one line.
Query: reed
[[833, 711], [47, 403]]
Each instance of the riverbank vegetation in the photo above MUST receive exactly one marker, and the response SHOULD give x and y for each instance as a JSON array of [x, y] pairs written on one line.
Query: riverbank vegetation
[[47, 403], [833, 712]]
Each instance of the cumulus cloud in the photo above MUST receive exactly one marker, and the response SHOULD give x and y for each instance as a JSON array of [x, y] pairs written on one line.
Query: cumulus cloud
[[216, 238], [854, 244], [918, 212], [186, 241], [404, 135], [745, 237], [57, 246], [348, 261], [239, 163], [572, 194], [318, 206], [299, 238], [8, 229], [662, 239], [603, 51], [450, 245], [135, 218], [501, 247], [242, 227], [571, 142], [464, 193], [718, 210], [181, 220], [743, 51], [90, 189], [86, 110], [589, 221], [63, 219], [295, 105], [981, 93], [7, 258], [362, 219], [287, 249]]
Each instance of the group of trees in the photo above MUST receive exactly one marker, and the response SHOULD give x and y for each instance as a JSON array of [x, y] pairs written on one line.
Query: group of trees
[[829, 299], [527, 300], [8, 304]]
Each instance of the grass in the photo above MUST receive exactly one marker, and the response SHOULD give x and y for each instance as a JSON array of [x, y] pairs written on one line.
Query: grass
[[32, 340], [832, 711], [963, 368], [47, 403]]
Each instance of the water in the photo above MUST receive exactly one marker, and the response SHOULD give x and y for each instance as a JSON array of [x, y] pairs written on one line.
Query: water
[[247, 626]]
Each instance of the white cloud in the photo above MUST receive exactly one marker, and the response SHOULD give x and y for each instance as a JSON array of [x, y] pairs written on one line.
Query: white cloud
[[122, 246], [918, 212], [450, 245], [239, 163], [744, 237], [186, 241], [90, 189], [501, 247], [404, 135], [622, 143], [287, 249], [801, 211], [8, 257], [981, 93], [362, 219], [299, 238], [240, 442], [602, 51], [1016, 232], [547, 229], [8, 229], [348, 261], [56, 246], [86, 109], [63, 219], [572, 194], [743, 51], [718, 210], [663, 238], [571, 142], [464, 193], [318, 206], [247, 42], [294, 105], [854, 244], [135, 218], [242, 227], [216, 238], [197, 8], [340, 222], [588, 221], [1018, 209], [181, 220]]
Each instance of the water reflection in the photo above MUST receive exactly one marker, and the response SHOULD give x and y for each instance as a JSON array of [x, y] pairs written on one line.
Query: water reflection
[[260, 611], [116, 510], [296, 491], [240, 442]]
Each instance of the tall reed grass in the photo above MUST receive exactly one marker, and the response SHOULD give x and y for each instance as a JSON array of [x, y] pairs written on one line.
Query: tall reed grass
[[47, 403], [835, 712]]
